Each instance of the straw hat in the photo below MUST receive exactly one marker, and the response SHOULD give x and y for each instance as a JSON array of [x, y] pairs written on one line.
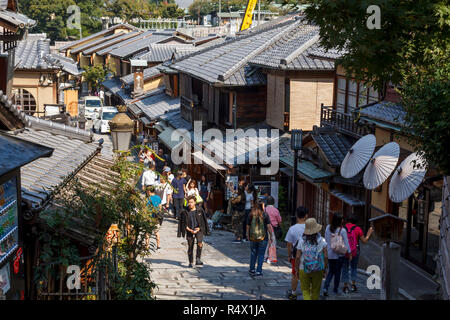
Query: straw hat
[[311, 226]]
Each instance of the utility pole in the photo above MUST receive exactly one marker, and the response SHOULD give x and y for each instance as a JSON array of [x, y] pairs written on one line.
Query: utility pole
[[259, 12], [220, 11]]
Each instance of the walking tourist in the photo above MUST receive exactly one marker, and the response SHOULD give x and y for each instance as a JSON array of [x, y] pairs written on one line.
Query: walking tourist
[[167, 192], [292, 238], [154, 205], [259, 232], [250, 198], [194, 223], [149, 177], [354, 234], [146, 156], [311, 260], [238, 211], [275, 220], [160, 161], [336, 238], [205, 189], [167, 172], [179, 186]]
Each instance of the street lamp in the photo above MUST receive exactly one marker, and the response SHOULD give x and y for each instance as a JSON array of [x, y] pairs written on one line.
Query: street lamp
[[296, 145], [121, 130]]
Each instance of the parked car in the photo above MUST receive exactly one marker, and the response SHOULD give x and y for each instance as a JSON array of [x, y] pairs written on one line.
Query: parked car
[[91, 104], [102, 118]]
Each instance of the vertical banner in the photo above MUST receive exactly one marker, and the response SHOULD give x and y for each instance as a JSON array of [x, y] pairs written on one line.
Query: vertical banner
[[247, 20]]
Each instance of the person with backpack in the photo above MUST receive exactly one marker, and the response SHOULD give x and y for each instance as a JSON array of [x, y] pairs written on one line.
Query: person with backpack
[[311, 259], [336, 238], [259, 232], [155, 208], [355, 234], [238, 211], [292, 238]]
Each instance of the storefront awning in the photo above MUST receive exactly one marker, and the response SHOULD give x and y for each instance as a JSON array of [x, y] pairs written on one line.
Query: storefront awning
[[347, 198], [307, 170], [208, 162], [166, 138]]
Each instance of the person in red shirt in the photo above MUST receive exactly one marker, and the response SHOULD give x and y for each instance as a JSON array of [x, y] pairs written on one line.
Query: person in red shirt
[[354, 234]]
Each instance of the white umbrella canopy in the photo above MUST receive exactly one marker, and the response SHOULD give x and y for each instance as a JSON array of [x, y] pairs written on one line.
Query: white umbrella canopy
[[407, 177], [358, 156], [381, 165]]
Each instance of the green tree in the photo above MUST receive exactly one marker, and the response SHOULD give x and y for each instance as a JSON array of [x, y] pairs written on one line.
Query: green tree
[[94, 208], [411, 49], [51, 16], [129, 9], [95, 75]]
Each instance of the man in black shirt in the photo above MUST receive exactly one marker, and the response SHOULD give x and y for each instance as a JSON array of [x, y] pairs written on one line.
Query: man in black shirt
[[194, 224], [160, 161]]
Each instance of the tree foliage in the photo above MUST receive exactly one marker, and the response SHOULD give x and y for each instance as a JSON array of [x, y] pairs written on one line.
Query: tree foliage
[[94, 209], [95, 75], [411, 49]]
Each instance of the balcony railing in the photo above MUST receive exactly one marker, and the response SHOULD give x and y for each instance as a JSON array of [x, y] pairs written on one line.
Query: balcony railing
[[191, 111], [343, 122]]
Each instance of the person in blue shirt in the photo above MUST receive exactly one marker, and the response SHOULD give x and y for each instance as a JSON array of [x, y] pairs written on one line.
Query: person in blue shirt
[[179, 185], [154, 205]]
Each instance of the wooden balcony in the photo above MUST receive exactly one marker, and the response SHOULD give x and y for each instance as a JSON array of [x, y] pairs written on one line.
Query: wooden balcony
[[343, 122], [191, 111]]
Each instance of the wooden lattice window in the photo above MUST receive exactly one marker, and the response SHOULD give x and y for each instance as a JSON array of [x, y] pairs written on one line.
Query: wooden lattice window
[[25, 101]]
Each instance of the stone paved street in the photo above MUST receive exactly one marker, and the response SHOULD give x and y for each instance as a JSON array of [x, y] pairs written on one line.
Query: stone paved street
[[224, 273]]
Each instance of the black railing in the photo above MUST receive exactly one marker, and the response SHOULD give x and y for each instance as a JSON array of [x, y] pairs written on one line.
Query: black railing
[[343, 122]]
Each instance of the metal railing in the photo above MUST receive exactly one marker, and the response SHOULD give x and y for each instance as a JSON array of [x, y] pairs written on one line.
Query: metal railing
[[164, 24], [343, 122]]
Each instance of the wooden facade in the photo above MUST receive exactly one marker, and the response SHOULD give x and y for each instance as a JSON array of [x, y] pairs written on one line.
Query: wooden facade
[[215, 105], [294, 98]]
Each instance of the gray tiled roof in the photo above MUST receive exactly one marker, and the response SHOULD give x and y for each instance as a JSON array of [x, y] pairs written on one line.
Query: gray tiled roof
[[148, 73], [292, 51], [8, 105], [228, 63], [16, 19], [97, 41], [42, 177], [156, 105], [334, 145], [104, 45], [139, 45], [389, 112], [121, 44], [35, 54], [163, 52], [175, 119], [115, 86], [95, 35]]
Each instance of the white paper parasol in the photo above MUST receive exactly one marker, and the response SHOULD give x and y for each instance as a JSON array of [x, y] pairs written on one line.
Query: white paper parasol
[[407, 177], [381, 165], [358, 156]]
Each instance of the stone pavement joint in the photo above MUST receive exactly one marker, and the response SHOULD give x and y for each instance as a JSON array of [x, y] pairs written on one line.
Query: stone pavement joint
[[224, 275]]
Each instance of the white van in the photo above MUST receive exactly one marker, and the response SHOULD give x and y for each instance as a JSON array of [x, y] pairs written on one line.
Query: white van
[[91, 104], [101, 123]]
